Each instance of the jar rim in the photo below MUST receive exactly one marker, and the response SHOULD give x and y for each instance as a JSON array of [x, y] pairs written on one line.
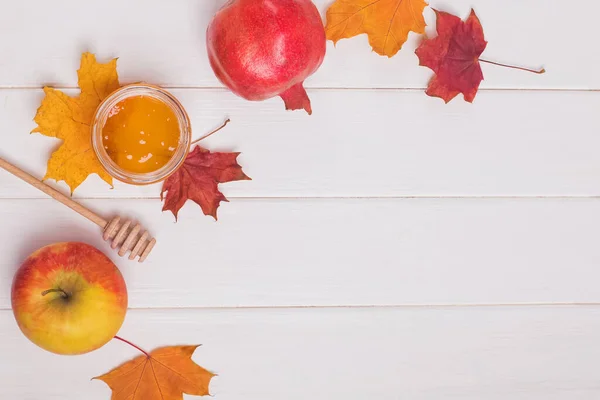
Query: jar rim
[[101, 115]]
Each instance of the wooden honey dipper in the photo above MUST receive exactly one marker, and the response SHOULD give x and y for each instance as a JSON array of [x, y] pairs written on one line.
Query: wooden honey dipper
[[123, 235]]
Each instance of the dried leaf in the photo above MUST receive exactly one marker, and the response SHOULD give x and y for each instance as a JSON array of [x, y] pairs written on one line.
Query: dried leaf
[[386, 22], [69, 118], [164, 374], [198, 180], [454, 57]]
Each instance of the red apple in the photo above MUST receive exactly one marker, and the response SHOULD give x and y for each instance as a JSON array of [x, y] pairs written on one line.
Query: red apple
[[69, 298]]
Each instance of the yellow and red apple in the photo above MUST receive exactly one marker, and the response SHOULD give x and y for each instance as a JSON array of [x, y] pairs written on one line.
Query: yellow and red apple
[[69, 298]]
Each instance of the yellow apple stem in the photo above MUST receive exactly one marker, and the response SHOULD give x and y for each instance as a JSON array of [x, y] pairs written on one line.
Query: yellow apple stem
[[210, 133], [62, 292], [132, 345]]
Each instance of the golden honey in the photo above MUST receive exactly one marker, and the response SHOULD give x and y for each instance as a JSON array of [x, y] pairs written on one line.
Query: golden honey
[[141, 134]]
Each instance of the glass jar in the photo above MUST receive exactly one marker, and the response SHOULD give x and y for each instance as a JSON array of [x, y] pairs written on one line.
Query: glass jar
[[101, 116]]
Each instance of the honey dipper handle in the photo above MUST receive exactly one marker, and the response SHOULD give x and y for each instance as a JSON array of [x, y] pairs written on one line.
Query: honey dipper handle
[[101, 222]]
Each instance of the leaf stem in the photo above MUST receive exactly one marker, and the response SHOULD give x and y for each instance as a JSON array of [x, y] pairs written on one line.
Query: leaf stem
[[63, 294], [215, 131], [132, 345], [535, 71]]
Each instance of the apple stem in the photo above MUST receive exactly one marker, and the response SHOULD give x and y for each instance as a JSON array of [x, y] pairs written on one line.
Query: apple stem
[[62, 292], [132, 345], [541, 71], [215, 131]]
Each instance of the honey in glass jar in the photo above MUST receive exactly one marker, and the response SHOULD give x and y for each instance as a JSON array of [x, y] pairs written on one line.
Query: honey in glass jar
[[141, 134]]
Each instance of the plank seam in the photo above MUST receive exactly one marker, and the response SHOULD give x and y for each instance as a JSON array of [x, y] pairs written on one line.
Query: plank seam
[[369, 307], [399, 197], [322, 88]]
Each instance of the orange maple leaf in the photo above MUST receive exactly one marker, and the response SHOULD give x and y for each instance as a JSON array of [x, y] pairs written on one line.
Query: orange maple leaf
[[163, 374], [198, 178], [386, 22], [69, 118]]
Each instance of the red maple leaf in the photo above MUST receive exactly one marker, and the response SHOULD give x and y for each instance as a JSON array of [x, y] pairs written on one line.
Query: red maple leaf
[[198, 178], [454, 57]]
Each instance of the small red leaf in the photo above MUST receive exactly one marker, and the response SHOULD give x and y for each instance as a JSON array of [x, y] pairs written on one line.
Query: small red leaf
[[198, 180], [454, 57]]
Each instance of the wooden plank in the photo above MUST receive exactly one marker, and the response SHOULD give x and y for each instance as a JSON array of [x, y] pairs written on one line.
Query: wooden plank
[[329, 252], [522, 353], [164, 42], [365, 143]]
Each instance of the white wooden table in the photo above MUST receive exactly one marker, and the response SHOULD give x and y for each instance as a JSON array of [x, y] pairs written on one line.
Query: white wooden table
[[389, 246]]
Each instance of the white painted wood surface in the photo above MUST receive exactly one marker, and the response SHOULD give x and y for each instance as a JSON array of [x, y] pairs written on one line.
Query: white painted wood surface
[[368, 143], [339, 252], [163, 41], [388, 246], [423, 353]]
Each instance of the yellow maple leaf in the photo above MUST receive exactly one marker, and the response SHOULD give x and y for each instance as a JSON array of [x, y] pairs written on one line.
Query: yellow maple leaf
[[164, 374], [386, 22], [69, 119]]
